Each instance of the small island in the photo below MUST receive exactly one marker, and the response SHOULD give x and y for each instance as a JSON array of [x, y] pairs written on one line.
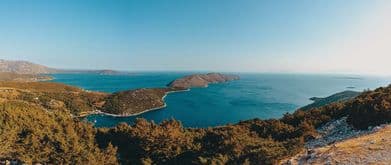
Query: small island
[[201, 80]]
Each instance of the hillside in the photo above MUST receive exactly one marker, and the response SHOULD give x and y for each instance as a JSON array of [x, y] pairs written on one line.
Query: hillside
[[52, 96], [24, 67], [30, 134]]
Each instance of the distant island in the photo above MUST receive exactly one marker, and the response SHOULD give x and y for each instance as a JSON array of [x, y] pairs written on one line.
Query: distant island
[[201, 80], [100, 72]]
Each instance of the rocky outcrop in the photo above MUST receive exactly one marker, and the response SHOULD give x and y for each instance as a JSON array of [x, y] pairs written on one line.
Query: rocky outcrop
[[201, 80], [335, 131], [372, 147]]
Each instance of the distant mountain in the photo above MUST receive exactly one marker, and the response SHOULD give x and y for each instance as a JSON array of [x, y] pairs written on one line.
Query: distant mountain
[[24, 67]]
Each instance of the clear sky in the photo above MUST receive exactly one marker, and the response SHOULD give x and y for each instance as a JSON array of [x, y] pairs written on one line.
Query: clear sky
[[313, 36]]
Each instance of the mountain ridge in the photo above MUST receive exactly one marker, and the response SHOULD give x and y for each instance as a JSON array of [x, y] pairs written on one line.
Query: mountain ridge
[[26, 67]]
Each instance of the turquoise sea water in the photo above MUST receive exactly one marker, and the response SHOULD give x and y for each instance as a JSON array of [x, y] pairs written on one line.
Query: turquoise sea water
[[253, 96]]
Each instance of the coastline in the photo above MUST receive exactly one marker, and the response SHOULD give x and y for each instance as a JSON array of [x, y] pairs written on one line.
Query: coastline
[[98, 112]]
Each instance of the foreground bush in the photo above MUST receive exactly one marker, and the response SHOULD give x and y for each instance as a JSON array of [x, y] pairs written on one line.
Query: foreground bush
[[30, 134]]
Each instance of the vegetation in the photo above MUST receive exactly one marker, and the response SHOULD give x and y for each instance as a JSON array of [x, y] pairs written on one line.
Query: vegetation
[[42, 130], [370, 108], [338, 97], [135, 101], [53, 96], [30, 134]]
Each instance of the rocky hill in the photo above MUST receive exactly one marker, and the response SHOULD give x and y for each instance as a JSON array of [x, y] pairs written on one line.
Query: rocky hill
[[201, 80], [24, 67]]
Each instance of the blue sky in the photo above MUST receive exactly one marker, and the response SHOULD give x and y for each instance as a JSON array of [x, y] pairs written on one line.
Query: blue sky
[[324, 36]]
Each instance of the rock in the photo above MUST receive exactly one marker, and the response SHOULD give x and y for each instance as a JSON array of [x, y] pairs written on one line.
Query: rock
[[334, 131]]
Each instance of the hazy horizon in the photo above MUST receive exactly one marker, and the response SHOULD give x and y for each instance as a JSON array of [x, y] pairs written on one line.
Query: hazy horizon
[[324, 37]]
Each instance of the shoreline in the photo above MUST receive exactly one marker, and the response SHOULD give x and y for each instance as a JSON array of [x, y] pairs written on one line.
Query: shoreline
[[98, 112]]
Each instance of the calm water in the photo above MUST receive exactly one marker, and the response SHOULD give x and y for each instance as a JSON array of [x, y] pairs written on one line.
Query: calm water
[[253, 96]]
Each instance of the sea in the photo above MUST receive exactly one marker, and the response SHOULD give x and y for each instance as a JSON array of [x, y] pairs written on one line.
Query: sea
[[255, 95]]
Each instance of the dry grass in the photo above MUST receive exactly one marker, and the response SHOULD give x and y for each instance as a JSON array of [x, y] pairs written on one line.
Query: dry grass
[[374, 148]]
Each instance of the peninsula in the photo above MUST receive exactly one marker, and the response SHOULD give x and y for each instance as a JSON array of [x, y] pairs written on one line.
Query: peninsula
[[134, 102]]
